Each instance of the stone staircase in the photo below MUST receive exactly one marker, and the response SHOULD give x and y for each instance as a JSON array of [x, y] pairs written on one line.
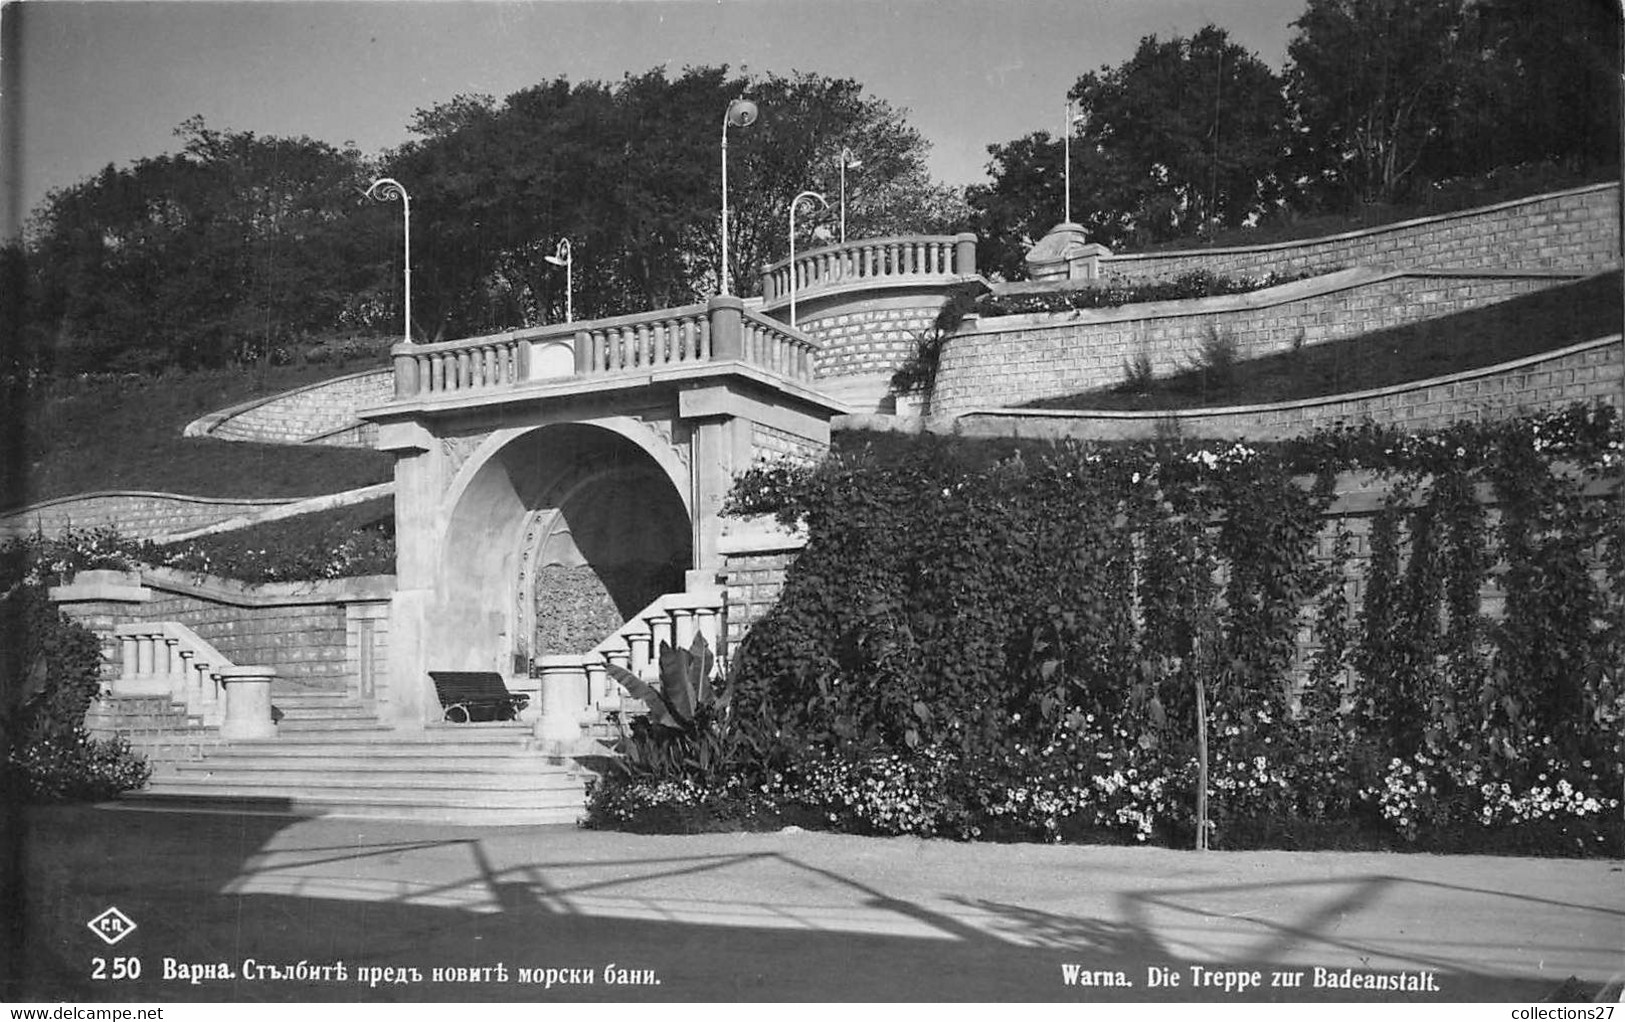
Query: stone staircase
[[332, 757]]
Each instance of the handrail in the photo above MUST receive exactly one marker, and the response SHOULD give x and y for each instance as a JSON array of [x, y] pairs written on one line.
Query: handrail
[[720, 330], [648, 340], [768, 343], [872, 261], [167, 658]]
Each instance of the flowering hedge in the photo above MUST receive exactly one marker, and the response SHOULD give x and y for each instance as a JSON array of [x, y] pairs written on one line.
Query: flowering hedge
[[986, 639]]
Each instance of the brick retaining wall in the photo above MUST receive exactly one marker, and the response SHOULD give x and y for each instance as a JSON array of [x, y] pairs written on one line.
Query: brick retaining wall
[[320, 636], [869, 336], [321, 413], [1575, 229], [136, 514], [1586, 372], [1009, 360]]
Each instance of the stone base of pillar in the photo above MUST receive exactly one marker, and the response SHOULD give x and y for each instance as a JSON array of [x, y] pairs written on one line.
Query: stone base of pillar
[[248, 702], [563, 690]]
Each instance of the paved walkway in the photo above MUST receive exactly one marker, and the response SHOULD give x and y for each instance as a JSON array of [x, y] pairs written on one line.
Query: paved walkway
[[227, 907]]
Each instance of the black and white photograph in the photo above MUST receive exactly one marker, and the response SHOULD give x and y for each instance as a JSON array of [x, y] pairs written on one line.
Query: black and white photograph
[[1098, 504]]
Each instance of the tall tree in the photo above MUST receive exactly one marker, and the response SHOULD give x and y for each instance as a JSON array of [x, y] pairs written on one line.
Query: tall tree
[[629, 172], [1375, 84], [228, 249], [1196, 126], [1186, 135]]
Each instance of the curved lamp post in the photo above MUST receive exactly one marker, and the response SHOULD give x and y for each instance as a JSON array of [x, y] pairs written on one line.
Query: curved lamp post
[[562, 256], [741, 113], [387, 189], [847, 160], [793, 275]]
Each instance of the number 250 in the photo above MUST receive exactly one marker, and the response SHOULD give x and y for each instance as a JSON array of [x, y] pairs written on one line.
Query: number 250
[[123, 968]]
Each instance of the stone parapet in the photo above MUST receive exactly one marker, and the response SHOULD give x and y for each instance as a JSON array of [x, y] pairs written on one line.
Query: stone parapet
[[1010, 360], [1576, 229], [1585, 372]]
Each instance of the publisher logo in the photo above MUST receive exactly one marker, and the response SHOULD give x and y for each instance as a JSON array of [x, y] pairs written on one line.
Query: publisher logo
[[112, 925]]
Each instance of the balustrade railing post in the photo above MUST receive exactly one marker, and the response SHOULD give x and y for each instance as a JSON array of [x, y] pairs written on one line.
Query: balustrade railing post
[[726, 314], [965, 254], [406, 372], [767, 285]]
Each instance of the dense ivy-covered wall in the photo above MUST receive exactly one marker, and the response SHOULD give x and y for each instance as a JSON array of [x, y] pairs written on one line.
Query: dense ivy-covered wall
[[990, 634]]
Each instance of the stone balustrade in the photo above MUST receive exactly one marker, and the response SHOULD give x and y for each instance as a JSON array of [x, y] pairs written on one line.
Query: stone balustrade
[[670, 337], [575, 686], [719, 330], [768, 343], [168, 659], [922, 258]]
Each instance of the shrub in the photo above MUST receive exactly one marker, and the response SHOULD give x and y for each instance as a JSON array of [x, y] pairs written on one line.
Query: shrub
[[74, 767], [1005, 639], [47, 682]]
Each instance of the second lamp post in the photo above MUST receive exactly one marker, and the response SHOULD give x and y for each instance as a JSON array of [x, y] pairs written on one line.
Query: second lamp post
[[793, 273]]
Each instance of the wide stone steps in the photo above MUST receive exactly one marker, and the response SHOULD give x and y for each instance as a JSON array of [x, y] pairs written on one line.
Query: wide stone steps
[[348, 764]]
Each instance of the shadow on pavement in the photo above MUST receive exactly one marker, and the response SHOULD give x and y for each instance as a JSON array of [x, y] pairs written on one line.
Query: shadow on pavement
[[210, 892]]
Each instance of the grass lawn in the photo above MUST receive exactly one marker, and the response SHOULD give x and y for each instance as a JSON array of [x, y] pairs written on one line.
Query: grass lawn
[[124, 433], [1523, 326]]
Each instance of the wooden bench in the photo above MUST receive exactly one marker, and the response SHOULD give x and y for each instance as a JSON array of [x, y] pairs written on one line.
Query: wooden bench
[[472, 696]]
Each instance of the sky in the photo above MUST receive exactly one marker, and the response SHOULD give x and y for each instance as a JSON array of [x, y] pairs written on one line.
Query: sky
[[92, 82]]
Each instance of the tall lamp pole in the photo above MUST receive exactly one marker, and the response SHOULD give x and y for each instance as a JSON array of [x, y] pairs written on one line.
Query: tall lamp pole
[[793, 275], [847, 160], [563, 256], [387, 189], [741, 113], [1072, 120]]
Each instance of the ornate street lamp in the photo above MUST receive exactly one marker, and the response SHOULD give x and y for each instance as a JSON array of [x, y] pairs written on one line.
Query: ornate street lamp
[[387, 189], [793, 204], [741, 113], [847, 160], [562, 256]]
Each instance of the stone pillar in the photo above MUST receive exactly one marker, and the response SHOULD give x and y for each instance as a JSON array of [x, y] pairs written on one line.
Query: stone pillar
[[965, 254], [406, 371], [562, 685], [248, 702], [408, 693], [727, 315]]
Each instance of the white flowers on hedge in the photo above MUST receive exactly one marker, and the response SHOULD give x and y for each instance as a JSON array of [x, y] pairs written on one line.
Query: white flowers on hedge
[[1426, 790]]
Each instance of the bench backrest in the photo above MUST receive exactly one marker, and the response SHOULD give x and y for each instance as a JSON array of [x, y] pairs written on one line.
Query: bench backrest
[[464, 686]]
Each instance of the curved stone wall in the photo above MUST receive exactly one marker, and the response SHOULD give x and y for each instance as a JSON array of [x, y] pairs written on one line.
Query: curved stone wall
[[1574, 229], [136, 514], [320, 413], [1591, 371], [1010, 360]]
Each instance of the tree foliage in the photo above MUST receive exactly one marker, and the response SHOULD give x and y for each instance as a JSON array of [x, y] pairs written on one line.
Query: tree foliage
[[225, 250], [630, 173], [1185, 135]]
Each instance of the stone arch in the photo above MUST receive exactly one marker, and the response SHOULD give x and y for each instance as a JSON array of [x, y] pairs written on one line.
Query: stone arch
[[592, 515]]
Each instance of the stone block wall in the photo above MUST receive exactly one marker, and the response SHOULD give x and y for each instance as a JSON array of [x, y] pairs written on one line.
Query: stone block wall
[[768, 443], [136, 515], [870, 336], [1575, 229], [1009, 360], [1586, 372], [320, 413], [328, 636]]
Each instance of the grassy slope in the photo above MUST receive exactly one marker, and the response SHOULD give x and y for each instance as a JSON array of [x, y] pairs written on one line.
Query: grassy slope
[[1481, 337], [124, 433]]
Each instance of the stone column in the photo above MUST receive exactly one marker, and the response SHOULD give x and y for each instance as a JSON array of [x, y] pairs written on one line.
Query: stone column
[[563, 689], [965, 254], [248, 702], [727, 315]]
